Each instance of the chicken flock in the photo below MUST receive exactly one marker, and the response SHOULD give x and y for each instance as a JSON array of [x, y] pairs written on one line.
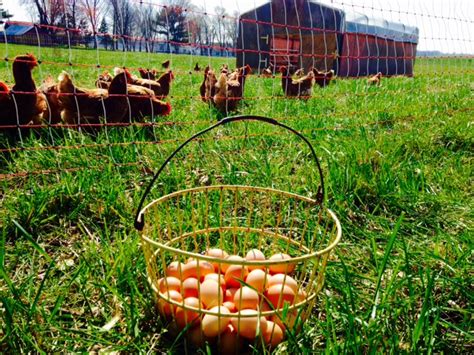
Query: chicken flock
[[123, 97]]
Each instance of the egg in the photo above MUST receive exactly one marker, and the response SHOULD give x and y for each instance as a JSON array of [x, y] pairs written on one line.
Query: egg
[[211, 293], [169, 283], [224, 267], [283, 279], [217, 277], [229, 294], [230, 306], [230, 344], [235, 274], [264, 306], [198, 269], [175, 269], [246, 298], [278, 295], [249, 327], [190, 287], [258, 279], [284, 268], [213, 325], [218, 254], [167, 309], [184, 317], [255, 255], [273, 335]]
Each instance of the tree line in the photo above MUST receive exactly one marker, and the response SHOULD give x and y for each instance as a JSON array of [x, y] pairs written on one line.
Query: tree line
[[131, 25]]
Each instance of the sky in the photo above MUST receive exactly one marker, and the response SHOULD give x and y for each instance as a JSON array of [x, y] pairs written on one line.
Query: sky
[[445, 25]]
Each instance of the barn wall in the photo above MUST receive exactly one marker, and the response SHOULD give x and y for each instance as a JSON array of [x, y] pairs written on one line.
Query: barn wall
[[364, 54]]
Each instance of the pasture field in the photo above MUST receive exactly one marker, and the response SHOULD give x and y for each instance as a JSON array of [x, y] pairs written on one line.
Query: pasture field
[[397, 161]]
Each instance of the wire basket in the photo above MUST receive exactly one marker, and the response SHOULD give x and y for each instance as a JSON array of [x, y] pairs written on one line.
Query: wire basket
[[283, 240]]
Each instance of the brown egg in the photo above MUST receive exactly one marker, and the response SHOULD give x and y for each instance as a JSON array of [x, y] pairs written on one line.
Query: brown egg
[[278, 295], [284, 268], [167, 309], [264, 306], [246, 298], [283, 279], [211, 293], [235, 274], [224, 267], [258, 279], [218, 254], [217, 277], [169, 283], [229, 294], [249, 327], [184, 317], [213, 325], [273, 334], [175, 269], [190, 288], [230, 344], [255, 255], [230, 306], [198, 269]]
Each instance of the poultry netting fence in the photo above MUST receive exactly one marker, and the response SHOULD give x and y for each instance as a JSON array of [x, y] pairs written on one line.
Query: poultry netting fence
[[108, 75]]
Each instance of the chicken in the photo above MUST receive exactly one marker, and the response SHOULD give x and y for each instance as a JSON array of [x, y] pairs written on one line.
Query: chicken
[[229, 91], [323, 78], [197, 68], [225, 69], [134, 80], [89, 105], [268, 72], [299, 73], [166, 64], [375, 80], [148, 74], [301, 87], [104, 80], [165, 81], [143, 102], [208, 89], [23, 104], [50, 89]]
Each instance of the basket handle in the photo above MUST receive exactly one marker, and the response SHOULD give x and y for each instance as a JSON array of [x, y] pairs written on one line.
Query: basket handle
[[140, 219]]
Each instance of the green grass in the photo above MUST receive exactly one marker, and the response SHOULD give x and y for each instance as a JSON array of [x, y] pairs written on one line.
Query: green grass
[[397, 162]]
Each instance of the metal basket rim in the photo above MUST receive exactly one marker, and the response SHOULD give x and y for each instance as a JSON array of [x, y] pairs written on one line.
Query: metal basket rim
[[176, 251]]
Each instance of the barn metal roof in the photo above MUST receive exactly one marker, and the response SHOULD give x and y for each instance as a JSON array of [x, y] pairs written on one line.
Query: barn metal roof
[[360, 23], [17, 30]]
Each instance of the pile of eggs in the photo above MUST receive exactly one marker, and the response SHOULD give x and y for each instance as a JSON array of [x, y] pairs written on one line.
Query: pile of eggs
[[238, 293]]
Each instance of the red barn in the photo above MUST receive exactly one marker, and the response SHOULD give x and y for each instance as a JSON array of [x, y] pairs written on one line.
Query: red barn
[[372, 45]]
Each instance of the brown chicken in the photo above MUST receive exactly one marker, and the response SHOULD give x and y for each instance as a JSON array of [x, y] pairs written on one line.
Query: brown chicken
[[90, 105], [143, 102], [208, 86], [104, 80], [148, 74], [165, 81], [299, 73], [166, 64], [146, 83], [229, 91], [197, 67], [50, 89], [323, 78], [302, 87], [267, 72], [375, 80], [23, 104]]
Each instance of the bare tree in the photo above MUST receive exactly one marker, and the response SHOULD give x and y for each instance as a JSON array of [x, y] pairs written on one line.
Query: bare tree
[[123, 16], [93, 10], [49, 12]]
